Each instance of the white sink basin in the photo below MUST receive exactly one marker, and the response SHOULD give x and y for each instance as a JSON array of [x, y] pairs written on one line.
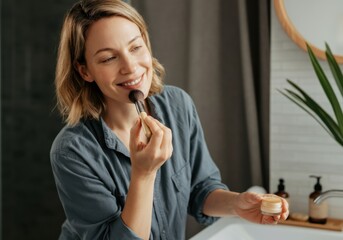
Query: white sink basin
[[233, 228]]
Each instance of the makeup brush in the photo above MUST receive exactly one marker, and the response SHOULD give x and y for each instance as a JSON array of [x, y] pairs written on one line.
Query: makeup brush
[[137, 97]]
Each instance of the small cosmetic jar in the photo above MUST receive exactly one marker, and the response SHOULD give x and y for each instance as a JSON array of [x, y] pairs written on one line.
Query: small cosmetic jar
[[271, 206]]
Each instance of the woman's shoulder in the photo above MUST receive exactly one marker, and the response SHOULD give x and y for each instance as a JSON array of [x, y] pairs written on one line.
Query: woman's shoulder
[[175, 94], [66, 137], [71, 137], [174, 103], [171, 89]]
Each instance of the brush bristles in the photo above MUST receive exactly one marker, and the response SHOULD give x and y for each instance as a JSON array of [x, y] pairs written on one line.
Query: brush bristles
[[136, 95]]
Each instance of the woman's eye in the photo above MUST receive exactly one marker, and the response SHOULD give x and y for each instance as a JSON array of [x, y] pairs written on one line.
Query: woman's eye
[[109, 59], [135, 49]]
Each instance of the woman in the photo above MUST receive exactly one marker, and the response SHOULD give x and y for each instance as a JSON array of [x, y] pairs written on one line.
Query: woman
[[113, 182]]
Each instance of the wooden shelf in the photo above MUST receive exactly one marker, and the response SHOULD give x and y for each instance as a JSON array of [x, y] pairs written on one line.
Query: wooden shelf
[[331, 224]]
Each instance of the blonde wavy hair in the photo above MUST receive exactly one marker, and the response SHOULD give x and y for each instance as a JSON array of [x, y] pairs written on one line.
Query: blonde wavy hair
[[76, 98]]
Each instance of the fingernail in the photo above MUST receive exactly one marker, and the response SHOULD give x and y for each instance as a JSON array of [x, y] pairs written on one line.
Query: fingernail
[[137, 121]]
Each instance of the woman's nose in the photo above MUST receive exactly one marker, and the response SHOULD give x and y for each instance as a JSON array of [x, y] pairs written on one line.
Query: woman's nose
[[129, 65]]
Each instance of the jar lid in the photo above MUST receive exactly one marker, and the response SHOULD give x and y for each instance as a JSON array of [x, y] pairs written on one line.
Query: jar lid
[[271, 205]]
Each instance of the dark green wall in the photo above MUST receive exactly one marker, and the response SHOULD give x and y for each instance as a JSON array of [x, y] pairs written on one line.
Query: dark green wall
[[30, 32]]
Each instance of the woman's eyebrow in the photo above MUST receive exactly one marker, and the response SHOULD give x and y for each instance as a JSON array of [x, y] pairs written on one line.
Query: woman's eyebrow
[[134, 39], [110, 49]]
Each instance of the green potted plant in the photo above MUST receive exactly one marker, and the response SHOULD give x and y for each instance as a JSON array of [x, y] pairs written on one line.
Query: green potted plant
[[332, 124]]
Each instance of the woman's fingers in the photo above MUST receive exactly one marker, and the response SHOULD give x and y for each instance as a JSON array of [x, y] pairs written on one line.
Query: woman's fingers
[[269, 220], [166, 144], [134, 135], [151, 156], [156, 133], [160, 144], [285, 209]]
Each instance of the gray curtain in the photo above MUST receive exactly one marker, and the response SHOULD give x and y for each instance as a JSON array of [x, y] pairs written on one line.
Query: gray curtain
[[218, 51]]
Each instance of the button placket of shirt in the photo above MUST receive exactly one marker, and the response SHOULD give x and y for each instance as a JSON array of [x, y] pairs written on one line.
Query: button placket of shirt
[[161, 217], [164, 234]]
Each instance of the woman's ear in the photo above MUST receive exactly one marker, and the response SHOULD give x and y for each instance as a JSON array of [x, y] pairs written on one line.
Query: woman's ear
[[83, 71]]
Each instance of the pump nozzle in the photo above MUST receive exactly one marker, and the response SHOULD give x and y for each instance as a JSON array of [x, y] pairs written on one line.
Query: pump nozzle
[[317, 186], [281, 186]]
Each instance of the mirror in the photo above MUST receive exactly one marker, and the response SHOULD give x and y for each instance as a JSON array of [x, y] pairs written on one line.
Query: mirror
[[315, 22]]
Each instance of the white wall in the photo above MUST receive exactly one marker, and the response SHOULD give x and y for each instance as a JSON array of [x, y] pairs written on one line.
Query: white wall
[[299, 145]]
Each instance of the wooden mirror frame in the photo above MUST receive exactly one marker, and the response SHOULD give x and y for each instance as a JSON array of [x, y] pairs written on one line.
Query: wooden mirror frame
[[293, 33]]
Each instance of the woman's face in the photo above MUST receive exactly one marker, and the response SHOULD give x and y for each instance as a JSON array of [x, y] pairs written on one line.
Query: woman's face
[[118, 59]]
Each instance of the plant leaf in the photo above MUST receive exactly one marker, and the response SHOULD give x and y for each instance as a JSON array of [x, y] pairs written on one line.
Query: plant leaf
[[315, 110], [313, 105], [335, 69], [300, 102], [327, 88]]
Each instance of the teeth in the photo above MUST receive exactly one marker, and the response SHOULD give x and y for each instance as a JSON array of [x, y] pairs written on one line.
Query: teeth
[[132, 83]]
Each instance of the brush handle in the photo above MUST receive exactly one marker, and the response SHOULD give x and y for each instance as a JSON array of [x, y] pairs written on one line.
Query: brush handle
[[146, 129]]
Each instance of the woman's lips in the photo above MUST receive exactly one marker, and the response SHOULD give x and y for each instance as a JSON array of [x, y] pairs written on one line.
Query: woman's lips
[[131, 83]]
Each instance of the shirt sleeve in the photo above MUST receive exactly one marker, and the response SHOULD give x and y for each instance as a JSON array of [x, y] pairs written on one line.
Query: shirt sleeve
[[205, 174], [93, 212]]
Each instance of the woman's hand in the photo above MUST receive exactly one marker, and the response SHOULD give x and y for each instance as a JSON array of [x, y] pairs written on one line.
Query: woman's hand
[[248, 206], [147, 158]]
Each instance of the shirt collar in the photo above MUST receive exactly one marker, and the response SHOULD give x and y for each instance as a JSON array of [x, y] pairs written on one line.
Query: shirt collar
[[155, 109], [111, 139]]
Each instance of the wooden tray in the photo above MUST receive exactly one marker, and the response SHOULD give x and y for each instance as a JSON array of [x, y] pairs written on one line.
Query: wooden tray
[[331, 224]]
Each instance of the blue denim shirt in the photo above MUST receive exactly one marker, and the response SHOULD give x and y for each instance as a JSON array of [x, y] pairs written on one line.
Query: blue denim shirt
[[92, 168]]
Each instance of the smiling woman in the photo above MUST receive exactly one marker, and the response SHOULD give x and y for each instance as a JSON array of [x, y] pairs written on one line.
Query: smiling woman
[[102, 54], [199, 42], [116, 66], [113, 181]]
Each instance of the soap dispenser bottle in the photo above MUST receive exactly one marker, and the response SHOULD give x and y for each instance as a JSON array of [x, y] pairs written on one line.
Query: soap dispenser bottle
[[318, 213], [281, 190]]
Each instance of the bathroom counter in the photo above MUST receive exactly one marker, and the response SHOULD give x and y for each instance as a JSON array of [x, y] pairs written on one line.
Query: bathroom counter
[[234, 228]]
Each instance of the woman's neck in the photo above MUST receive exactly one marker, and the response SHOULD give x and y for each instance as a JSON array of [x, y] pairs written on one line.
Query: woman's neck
[[120, 117]]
